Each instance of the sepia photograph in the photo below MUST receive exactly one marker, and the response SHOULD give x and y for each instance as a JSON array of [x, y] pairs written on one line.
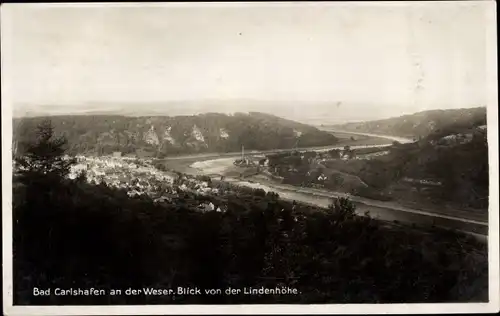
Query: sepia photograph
[[250, 157]]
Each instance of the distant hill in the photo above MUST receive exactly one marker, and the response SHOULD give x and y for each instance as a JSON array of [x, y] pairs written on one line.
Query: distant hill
[[308, 112], [165, 135], [421, 124]]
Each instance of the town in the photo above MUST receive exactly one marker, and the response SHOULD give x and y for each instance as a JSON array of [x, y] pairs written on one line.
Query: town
[[141, 177]]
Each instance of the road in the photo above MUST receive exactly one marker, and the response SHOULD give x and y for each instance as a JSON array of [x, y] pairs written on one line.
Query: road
[[264, 152], [402, 140], [387, 211], [390, 211], [316, 148]]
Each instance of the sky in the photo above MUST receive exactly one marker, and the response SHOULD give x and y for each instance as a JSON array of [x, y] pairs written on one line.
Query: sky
[[343, 60]]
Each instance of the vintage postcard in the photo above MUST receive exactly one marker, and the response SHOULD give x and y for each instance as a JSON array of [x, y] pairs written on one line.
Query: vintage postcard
[[249, 158]]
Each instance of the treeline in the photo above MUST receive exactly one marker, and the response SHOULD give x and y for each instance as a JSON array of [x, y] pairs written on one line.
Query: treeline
[[162, 135], [70, 234]]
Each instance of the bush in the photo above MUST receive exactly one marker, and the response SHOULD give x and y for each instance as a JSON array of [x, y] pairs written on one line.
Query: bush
[[259, 192], [160, 166]]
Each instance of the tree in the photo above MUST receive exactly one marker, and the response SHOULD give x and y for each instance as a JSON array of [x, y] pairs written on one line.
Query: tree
[[38, 206], [343, 208], [160, 166], [44, 158]]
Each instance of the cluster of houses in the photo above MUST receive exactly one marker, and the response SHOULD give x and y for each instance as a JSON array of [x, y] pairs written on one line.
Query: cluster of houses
[[373, 155], [137, 175], [422, 181], [210, 207], [345, 154], [319, 157], [244, 162], [461, 138], [140, 177], [318, 174], [455, 139]]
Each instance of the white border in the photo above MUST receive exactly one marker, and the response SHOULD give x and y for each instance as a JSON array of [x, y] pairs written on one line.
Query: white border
[[244, 4], [492, 128], [493, 255]]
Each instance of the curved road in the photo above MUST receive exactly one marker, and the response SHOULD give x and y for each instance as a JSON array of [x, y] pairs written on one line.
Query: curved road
[[235, 154], [462, 220], [389, 211], [316, 148], [402, 140]]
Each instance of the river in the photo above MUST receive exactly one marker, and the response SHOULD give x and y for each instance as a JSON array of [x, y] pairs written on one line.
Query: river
[[215, 164], [386, 211]]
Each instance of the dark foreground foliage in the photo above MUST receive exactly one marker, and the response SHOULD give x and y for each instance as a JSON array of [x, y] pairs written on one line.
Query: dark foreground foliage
[[77, 235], [70, 234]]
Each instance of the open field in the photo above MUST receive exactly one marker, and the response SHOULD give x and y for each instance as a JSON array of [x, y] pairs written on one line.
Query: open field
[[349, 139], [355, 134], [389, 211]]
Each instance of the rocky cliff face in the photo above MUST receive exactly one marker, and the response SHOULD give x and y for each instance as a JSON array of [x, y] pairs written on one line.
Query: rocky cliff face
[[163, 135]]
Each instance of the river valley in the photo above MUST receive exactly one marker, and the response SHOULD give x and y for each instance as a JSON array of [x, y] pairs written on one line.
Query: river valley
[[216, 165]]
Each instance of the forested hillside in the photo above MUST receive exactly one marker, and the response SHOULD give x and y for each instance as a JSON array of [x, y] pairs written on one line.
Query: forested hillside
[[163, 135], [421, 124], [444, 168], [459, 170]]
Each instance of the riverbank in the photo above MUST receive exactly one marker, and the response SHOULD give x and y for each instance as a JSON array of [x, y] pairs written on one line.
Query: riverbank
[[382, 211], [216, 166], [220, 167]]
